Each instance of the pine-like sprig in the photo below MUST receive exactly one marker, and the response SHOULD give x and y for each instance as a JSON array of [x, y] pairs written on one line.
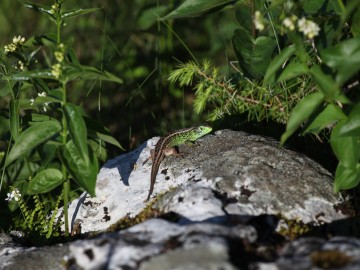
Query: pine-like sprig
[[223, 96]]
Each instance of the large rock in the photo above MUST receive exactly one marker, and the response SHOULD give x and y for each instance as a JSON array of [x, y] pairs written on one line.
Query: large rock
[[227, 173], [221, 206]]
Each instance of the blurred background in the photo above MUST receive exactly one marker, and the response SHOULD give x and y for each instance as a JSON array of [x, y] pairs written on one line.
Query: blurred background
[[125, 38]]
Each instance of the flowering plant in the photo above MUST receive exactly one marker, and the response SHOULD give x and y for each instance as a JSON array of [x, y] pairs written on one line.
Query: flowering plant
[[48, 140]]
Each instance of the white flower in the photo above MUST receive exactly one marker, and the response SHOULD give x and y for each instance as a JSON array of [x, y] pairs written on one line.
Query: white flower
[[59, 56], [20, 65], [42, 94], [259, 21], [14, 195], [56, 70], [32, 101], [289, 23], [19, 40], [46, 104], [308, 28]]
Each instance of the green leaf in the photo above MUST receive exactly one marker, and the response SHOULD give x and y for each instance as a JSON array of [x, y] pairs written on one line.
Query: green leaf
[[77, 12], [352, 125], [346, 149], [307, 106], [96, 130], [31, 138], [45, 181], [6, 90], [293, 70], [149, 16], [344, 58], [33, 74], [326, 84], [47, 152], [324, 118], [244, 16], [346, 177], [84, 171], [355, 23], [89, 73], [77, 128], [254, 56], [193, 8], [38, 8], [277, 63]]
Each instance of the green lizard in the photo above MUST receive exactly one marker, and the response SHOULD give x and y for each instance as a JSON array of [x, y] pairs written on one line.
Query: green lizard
[[166, 146]]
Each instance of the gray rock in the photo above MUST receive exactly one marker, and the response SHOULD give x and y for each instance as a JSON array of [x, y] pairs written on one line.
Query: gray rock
[[228, 196], [228, 173], [159, 244], [316, 253]]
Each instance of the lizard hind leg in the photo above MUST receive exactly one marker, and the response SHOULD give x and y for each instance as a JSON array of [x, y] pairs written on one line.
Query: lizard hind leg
[[150, 157]]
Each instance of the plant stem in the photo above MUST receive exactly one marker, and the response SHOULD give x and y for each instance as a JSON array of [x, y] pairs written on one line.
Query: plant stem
[[64, 132]]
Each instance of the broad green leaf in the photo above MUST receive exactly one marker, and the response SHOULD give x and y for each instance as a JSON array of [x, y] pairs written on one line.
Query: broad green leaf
[[45, 181], [351, 127], [344, 58], [254, 56], [47, 153], [244, 16], [83, 171], [325, 82], [31, 138], [312, 7], [306, 107], [77, 12], [326, 117], [293, 70], [193, 8], [14, 119], [277, 63], [346, 177], [27, 75], [77, 128], [346, 149]]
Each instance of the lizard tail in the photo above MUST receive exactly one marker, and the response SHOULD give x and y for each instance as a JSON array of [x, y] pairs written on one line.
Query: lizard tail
[[154, 171]]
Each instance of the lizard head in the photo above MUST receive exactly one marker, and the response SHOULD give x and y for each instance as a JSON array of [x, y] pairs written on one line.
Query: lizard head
[[202, 130]]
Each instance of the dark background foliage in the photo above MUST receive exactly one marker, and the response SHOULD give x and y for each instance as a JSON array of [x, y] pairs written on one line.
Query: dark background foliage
[[125, 38]]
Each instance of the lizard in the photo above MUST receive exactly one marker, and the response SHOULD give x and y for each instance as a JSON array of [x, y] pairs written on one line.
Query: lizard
[[166, 146]]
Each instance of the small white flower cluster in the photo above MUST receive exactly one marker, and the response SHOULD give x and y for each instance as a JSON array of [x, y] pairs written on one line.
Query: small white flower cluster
[[17, 41], [20, 65], [289, 22], [309, 28], [56, 70], [59, 56], [259, 21], [45, 105], [14, 195], [54, 8]]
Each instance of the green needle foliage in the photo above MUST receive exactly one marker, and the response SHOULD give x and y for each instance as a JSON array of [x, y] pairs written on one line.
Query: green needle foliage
[[47, 141], [298, 62]]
